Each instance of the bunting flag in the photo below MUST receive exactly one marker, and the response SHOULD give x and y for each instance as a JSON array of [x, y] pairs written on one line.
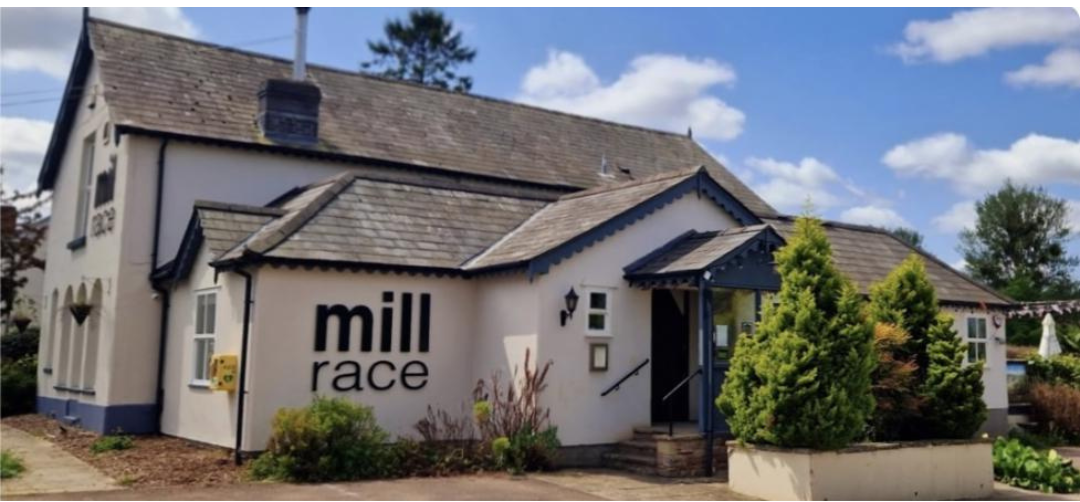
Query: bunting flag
[[1040, 309]]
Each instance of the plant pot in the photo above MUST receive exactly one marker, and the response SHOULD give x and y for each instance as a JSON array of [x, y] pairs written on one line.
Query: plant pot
[[21, 323], [80, 311]]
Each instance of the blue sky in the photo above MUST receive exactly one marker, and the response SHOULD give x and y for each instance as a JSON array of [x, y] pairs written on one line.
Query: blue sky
[[880, 116]]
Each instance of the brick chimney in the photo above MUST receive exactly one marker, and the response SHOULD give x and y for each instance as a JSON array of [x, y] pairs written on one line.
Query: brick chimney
[[289, 108]]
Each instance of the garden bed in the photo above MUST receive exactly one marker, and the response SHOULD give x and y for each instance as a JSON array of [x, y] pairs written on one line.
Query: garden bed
[[938, 470], [153, 461]]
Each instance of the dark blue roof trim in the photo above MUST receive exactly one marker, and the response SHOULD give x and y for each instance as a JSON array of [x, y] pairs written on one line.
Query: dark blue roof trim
[[65, 117], [180, 267], [701, 183], [749, 266]]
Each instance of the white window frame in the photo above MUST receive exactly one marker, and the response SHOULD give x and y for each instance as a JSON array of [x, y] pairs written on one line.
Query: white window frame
[[201, 334], [86, 187], [590, 311], [977, 339]]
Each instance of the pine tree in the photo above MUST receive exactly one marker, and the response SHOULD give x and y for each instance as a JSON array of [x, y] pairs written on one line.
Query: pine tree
[[804, 379], [425, 49], [947, 394], [953, 406]]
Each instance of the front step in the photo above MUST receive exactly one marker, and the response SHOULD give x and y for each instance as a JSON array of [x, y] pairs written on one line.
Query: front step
[[652, 452]]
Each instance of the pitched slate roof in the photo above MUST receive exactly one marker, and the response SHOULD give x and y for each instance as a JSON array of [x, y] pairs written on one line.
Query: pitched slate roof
[[574, 216], [355, 220], [157, 83], [866, 255], [219, 226], [694, 251]]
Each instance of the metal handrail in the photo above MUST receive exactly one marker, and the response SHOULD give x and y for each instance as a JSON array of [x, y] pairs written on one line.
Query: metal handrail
[[635, 371], [671, 414]]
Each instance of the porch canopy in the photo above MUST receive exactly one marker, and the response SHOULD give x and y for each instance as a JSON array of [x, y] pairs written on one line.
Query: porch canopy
[[739, 257]]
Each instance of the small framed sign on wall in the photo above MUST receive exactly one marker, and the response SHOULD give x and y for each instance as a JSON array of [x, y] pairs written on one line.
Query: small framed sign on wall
[[598, 357]]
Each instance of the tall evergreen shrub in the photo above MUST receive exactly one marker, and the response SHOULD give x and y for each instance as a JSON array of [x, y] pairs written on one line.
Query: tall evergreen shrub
[[948, 393], [803, 380]]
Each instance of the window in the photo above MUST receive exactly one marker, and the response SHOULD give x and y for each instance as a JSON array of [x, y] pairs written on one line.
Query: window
[[103, 193], [599, 312], [205, 326], [976, 338], [86, 185]]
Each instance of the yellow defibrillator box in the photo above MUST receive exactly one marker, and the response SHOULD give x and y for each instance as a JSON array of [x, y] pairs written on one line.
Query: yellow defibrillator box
[[223, 372]]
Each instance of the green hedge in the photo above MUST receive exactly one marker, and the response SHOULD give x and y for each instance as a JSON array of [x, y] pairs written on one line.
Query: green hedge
[[1024, 467], [1062, 369], [18, 386]]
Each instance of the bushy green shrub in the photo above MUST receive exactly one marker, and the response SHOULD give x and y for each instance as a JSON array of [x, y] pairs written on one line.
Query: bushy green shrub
[[18, 386], [329, 440], [953, 406], [527, 450], [1058, 369], [947, 394], [15, 345], [1023, 466], [803, 380], [895, 384], [114, 442], [512, 422], [10, 465]]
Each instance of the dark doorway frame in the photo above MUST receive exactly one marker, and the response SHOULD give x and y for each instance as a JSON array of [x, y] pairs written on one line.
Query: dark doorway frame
[[670, 354]]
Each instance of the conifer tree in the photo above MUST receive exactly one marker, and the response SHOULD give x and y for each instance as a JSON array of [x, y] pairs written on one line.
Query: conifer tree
[[947, 394], [953, 407], [803, 380]]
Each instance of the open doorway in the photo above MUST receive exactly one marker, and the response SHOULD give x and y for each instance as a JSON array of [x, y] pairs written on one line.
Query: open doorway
[[670, 354]]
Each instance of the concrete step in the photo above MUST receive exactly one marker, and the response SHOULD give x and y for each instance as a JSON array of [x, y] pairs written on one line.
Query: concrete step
[[642, 464], [638, 447]]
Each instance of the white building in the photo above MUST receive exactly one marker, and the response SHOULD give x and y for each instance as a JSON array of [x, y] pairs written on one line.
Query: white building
[[346, 235]]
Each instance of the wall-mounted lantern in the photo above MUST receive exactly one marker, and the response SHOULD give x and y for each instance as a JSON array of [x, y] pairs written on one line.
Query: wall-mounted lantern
[[571, 305], [80, 311]]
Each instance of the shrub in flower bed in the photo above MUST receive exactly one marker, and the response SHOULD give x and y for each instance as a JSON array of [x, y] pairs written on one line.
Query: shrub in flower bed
[[330, 440], [1025, 467], [113, 442]]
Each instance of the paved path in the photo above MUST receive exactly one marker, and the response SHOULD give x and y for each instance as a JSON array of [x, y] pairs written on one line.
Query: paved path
[[479, 487], [563, 485], [49, 469]]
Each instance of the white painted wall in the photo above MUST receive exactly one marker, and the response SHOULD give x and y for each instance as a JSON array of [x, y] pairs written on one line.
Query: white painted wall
[[96, 261], [282, 345], [191, 411], [995, 391], [573, 394]]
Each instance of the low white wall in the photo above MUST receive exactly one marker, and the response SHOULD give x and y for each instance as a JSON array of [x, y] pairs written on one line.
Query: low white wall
[[914, 471]]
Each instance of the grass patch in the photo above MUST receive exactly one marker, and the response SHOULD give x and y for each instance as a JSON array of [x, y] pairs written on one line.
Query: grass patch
[[112, 443], [10, 465]]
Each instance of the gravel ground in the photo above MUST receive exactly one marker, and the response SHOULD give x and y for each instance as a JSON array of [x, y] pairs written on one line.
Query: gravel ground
[[154, 461]]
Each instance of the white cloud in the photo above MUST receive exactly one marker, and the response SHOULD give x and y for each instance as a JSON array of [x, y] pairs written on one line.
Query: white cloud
[[873, 215], [958, 217], [960, 264], [1034, 159], [662, 91], [975, 32], [1060, 68], [789, 186], [22, 147], [43, 39]]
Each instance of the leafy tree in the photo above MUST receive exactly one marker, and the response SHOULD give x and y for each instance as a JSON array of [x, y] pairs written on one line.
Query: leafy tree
[[804, 379], [1018, 246], [20, 238], [425, 50], [894, 383], [952, 392], [909, 235], [948, 394]]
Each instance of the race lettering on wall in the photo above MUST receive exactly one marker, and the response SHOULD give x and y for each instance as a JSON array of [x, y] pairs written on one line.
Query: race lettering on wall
[[377, 375]]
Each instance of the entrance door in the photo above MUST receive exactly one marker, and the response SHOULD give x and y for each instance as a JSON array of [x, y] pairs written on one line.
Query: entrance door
[[670, 356]]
